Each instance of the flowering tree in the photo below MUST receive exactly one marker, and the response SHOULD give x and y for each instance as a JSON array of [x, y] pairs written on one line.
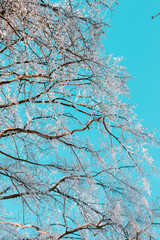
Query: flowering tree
[[73, 157]]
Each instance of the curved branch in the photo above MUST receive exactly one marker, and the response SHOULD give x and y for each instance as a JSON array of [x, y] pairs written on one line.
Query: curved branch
[[26, 226]]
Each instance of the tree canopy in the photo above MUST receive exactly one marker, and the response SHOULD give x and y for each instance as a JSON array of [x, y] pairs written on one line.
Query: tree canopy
[[74, 159]]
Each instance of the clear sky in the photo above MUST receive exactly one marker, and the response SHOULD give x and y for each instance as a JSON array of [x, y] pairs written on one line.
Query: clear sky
[[136, 37]]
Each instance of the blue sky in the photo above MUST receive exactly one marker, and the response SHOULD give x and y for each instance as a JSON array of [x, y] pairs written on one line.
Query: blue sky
[[136, 37]]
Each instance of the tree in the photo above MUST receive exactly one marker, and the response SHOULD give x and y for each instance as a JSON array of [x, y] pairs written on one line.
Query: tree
[[74, 159]]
